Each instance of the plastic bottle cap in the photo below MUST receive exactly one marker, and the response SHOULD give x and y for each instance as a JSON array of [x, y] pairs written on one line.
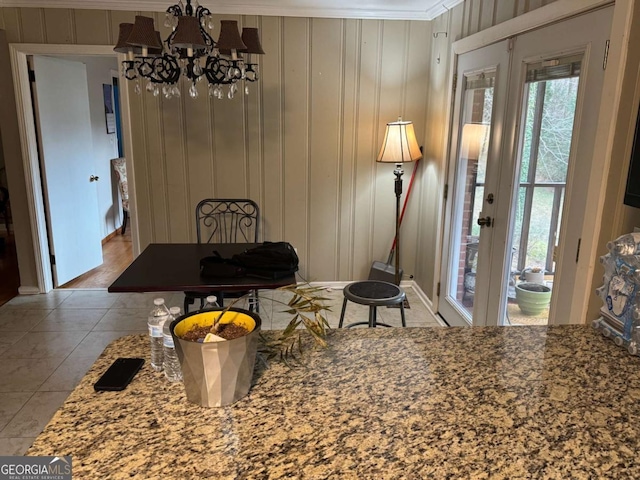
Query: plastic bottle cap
[[158, 301], [174, 310], [212, 299]]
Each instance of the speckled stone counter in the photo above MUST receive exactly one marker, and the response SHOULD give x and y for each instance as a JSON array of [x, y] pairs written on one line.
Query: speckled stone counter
[[415, 403]]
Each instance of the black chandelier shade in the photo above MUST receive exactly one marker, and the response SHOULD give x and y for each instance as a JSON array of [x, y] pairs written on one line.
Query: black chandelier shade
[[189, 51]]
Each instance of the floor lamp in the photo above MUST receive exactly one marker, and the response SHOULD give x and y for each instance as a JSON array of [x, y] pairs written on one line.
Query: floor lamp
[[399, 146]]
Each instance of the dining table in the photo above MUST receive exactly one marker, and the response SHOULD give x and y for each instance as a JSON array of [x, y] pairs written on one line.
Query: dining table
[[168, 267]]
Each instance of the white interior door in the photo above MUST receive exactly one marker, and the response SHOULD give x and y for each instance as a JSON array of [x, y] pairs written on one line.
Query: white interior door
[[481, 91], [67, 167], [552, 114], [505, 193]]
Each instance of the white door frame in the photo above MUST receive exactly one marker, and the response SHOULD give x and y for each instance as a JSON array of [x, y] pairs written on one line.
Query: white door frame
[[35, 200], [554, 12], [495, 58]]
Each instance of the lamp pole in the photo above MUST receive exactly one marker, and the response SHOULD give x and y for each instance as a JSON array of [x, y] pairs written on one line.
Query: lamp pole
[[398, 189], [399, 146]]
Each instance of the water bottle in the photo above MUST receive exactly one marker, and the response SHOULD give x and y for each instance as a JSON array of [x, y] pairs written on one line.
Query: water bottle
[[158, 315], [211, 302], [172, 369]]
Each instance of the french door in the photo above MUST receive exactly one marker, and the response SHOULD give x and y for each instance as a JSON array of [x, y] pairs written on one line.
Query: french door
[[524, 124]]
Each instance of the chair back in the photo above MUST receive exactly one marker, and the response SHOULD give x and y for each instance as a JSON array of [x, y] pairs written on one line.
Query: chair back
[[4, 198], [4, 209], [120, 167], [227, 220]]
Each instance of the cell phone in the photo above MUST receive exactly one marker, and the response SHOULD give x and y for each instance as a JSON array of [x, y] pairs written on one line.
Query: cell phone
[[119, 374]]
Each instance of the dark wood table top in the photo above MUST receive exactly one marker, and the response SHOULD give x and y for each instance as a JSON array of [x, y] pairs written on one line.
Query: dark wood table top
[[167, 267]]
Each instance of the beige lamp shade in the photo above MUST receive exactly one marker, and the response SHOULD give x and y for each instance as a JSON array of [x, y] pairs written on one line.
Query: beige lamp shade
[[143, 33], [400, 144], [188, 33], [473, 137]]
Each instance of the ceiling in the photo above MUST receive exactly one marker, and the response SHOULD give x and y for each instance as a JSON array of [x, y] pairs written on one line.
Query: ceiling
[[373, 9]]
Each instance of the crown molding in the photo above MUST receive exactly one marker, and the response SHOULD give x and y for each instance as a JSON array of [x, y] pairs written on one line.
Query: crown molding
[[440, 8], [376, 13]]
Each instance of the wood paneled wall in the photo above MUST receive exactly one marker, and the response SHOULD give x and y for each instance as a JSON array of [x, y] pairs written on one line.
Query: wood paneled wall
[[303, 143]]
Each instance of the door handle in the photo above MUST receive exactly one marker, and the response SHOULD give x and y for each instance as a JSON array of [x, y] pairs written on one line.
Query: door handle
[[94, 178], [485, 222]]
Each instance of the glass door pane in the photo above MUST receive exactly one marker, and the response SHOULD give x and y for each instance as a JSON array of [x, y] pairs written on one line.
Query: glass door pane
[[550, 98], [526, 179], [471, 177], [479, 105]]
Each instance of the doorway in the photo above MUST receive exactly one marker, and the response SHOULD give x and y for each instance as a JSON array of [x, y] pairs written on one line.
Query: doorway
[[77, 139], [36, 204], [117, 252], [525, 109]]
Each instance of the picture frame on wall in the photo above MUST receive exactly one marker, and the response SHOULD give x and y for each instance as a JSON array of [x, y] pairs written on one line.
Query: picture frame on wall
[[110, 116]]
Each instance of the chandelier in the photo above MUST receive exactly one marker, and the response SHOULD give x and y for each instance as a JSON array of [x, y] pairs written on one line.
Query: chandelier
[[190, 52]]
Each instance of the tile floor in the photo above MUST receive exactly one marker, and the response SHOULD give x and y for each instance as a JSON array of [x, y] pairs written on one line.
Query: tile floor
[[48, 342]]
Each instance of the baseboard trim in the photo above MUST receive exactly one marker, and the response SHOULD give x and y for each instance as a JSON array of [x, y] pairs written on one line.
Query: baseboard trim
[[426, 301], [342, 284], [28, 290], [422, 296], [110, 236]]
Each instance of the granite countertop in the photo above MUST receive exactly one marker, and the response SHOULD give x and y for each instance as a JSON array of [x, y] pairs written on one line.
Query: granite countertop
[[487, 402]]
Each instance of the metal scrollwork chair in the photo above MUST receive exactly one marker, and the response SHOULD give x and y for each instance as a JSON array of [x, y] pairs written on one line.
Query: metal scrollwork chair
[[225, 220]]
